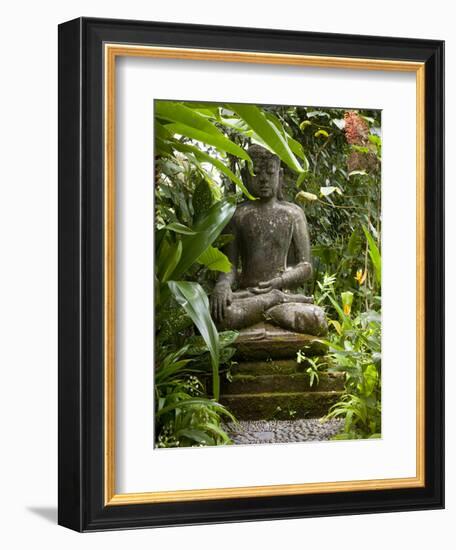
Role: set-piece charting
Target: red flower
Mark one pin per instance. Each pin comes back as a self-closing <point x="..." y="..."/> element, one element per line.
<point x="356" y="129"/>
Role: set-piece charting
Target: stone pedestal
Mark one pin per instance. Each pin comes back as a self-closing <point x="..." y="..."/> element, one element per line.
<point x="268" y="383"/>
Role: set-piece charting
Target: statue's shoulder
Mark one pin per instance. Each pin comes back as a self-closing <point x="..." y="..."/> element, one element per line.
<point x="242" y="209"/>
<point x="293" y="209"/>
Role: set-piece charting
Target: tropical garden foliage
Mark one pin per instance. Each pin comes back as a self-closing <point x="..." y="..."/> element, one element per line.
<point x="331" y="168"/>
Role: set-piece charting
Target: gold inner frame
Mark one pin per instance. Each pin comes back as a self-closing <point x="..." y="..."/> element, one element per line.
<point x="111" y="52"/>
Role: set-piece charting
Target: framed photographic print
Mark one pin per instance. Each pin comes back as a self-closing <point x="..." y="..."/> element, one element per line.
<point x="251" y="316"/>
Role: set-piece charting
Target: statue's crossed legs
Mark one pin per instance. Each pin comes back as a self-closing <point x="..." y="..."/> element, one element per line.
<point x="294" y="312"/>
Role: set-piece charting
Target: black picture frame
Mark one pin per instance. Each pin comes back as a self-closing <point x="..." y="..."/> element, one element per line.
<point x="81" y="275"/>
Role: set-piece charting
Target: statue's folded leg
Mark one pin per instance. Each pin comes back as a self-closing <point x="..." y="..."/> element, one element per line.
<point x="248" y="308"/>
<point x="299" y="317"/>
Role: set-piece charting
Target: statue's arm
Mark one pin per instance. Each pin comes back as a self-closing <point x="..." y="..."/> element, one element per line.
<point x="231" y="250"/>
<point x="299" y="273"/>
<point x="222" y="295"/>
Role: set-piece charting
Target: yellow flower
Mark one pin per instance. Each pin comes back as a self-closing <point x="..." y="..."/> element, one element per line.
<point x="347" y="300"/>
<point x="360" y="276"/>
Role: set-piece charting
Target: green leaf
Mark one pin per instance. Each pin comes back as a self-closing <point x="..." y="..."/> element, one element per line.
<point x="217" y="139"/>
<point x="268" y="132"/>
<point x="360" y="148"/>
<point x="322" y="133"/>
<point x="162" y="132"/>
<point x="215" y="260"/>
<point x="207" y="229"/>
<point x="193" y="299"/>
<point x="370" y="379"/>
<point x="174" y="255"/>
<point x="177" y="227"/>
<point x="294" y="145"/>
<point x="210" y="426"/>
<point x="300" y="179"/>
<point x="374" y="254"/>
<point x="204" y="157"/>
<point x="195" y="435"/>
<point x="188" y="122"/>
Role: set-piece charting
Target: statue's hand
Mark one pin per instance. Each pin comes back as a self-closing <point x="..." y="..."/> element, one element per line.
<point x="266" y="286"/>
<point x="221" y="298"/>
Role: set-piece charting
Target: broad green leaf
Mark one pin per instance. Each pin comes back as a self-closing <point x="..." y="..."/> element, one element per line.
<point x="189" y="123"/>
<point x="162" y="132"/>
<point x="336" y="325"/>
<point x="300" y="179"/>
<point x="268" y="132"/>
<point x="174" y="255"/>
<point x="295" y="146"/>
<point x="218" y="140"/>
<point x="215" y="260"/>
<point x="196" y="435"/>
<point x="163" y="254"/>
<point x="162" y="147"/>
<point x="375" y="256"/>
<point x="370" y="379"/>
<point x="204" y="157"/>
<point x="207" y="229"/>
<point x="188" y="403"/>
<point x="193" y="299"/>
<point x="177" y="112"/>
<point x="177" y="227"/>
<point x="197" y="345"/>
<point x="210" y="426"/>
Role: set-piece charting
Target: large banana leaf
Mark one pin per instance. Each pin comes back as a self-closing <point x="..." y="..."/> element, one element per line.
<point x="193" y="299"/>
<point x="174" y="255"/>
<point x="215" y="260"/>
<point x="207" y="229"/>
<point x="294" y="145"/>
<point x="188" y="122"/>
<point x="204" y="157"/>
<point x="268" y="132"/>
<point x="219" y="141"/>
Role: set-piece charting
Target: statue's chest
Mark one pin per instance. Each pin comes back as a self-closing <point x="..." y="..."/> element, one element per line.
<point x="267" y="230"/>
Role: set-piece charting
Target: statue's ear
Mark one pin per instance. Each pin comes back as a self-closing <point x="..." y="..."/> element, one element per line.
<point x="280" y="187"/>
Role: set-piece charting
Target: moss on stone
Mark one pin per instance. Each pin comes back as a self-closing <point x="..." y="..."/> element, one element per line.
<point x="281" y="406"/>
<point x="278" y="383"/>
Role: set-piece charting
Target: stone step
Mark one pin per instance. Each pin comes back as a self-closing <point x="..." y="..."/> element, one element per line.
<point x="280" y="406"/>
<point x="274" y="366"/>
<point x="279" y="383"/>
<point x="265" y="341"/>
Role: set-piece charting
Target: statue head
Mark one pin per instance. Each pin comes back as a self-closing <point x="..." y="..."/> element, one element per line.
<point x="265" y="184"/>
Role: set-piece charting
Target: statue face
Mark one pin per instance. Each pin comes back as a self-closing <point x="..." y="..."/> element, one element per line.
<point x="264" y="184"/>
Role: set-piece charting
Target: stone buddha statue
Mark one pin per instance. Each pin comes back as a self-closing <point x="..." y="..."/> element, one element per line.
<point x="270" y="256"/>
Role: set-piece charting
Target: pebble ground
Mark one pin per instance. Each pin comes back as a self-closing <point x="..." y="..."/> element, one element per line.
<point x="282" y="431"/>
